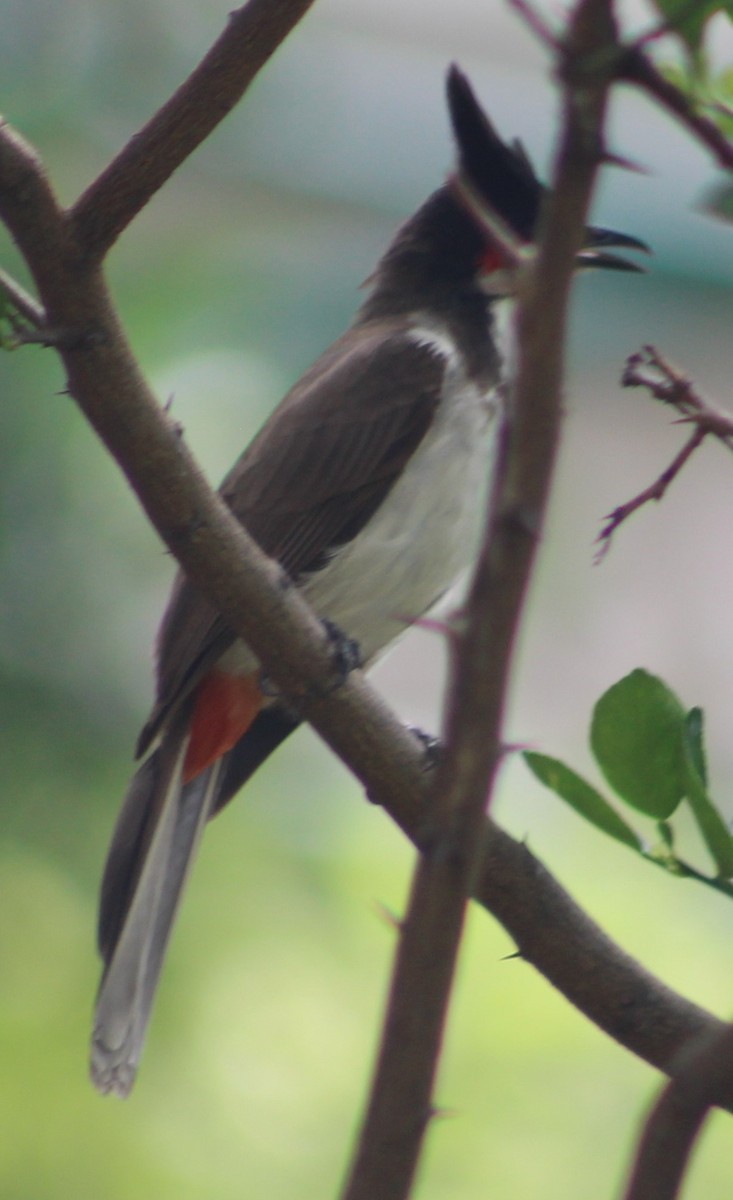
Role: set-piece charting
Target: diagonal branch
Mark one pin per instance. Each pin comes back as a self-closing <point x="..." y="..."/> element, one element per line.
<point x="655" y="491"/>
<point x="151" y="156"/>
<point x="635" y="67"/>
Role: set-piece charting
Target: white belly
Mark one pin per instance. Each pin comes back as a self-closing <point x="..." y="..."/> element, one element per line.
<point x="423" y="535"/>
<point x="425" y="532"/>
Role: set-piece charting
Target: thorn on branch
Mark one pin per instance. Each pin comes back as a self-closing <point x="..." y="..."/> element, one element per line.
<point x="50" y="338"/>
<point x="442" y="626"/>
<point x="536" y="23"/>
<point x="178" y="427"/>
<point x="63" y="339"/>
<point x="439" y="1113"/>
<point x="388" y="916"/>
<point x="625" y="164"/>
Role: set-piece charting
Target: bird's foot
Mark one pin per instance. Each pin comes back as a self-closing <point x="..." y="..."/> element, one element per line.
<point x="345" y="651"/>
<point x="432" y="747"/>
<point x="345" y="657"/>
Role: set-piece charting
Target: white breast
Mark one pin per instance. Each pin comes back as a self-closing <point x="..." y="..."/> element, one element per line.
<point x="424" y="533"/>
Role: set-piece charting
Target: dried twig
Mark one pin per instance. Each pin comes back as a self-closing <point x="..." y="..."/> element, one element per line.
<point x="650" y="370"/>
<point x="655" y="491"/>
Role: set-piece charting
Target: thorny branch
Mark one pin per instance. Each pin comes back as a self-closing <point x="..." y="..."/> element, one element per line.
<point x="665" y="382"/>
<point x="482" y="645"/>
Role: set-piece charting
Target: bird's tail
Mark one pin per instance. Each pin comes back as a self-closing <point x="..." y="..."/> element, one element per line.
<point x="152" y="850"/>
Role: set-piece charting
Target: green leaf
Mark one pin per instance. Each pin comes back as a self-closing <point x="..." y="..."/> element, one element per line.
<point x="688" y="18"/>
<point x="638" y="737"/>
<point x="581" y="796"/>
<point x="715" y="832"/>
<point x="694" y="743"/>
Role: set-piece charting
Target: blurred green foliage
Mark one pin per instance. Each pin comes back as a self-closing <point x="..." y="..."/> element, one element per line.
<point x="260" y="1048"/>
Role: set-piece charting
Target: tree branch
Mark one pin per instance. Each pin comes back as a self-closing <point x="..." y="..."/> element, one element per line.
<point x="636" y="68"/>
<point x="670" y="1132"/>
<point x="211" y="91"/>
<point x="482" y="643"/>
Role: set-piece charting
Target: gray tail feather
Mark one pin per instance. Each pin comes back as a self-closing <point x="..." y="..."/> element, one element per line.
<point x="151" y="854"/>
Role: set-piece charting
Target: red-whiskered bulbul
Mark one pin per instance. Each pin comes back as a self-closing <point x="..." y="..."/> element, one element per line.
<point x="365" y="484"/>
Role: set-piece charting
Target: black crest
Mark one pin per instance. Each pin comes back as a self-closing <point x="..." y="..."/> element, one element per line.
<point x="501" y="173"/>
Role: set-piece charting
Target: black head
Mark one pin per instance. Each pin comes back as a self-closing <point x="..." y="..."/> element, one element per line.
<point x="445" y="256"/>
<point x="502" y="177"/>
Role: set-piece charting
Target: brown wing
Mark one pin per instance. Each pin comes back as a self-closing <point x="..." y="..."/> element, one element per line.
<point x="310" y="480"/>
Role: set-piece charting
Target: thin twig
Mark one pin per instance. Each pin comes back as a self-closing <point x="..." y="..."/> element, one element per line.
<point x="648" y="369"/>
<point x="635" y="67"/>
<point x="536" y="22"/>
<point x="655" y="491"/>
<point x="705" y="1066"/>
<point x="672" y="24"/>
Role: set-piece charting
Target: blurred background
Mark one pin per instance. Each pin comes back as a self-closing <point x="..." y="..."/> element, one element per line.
<point x="232" y="281"/>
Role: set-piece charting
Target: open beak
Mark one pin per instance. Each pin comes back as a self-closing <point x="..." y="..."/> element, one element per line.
<point x="594" y="253"/>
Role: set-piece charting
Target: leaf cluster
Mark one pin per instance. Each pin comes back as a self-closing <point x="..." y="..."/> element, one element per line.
<point x="650" y="749"/>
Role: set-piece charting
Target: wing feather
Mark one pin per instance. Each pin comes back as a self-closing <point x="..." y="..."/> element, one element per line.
<point x="311" y="479"/>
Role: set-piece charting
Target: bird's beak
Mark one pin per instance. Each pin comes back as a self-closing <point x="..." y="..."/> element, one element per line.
<point x="595" y="254"/>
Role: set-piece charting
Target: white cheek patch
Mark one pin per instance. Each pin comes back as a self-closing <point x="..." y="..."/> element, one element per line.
<point x="504" y="333"/>
<point x="502" y="282"/>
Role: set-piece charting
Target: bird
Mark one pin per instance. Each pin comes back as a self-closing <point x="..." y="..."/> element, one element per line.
<point x="365" y="485"/>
